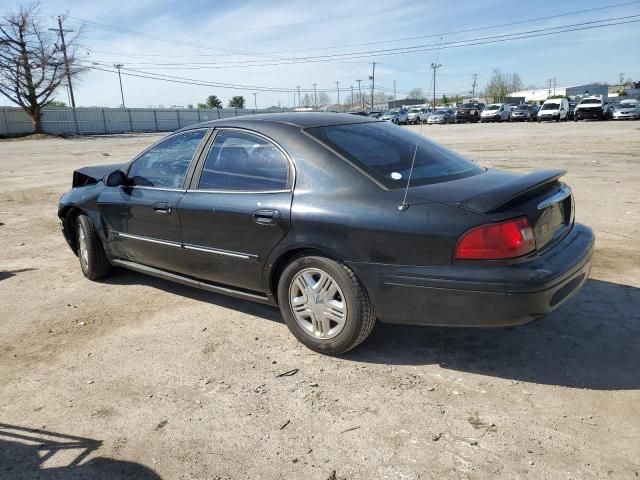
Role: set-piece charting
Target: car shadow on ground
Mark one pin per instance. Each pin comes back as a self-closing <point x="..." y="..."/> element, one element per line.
<point x="129" y="277"/>
<point x="29" y="453"/>
<point x="4" y="274"/>
<point x="589" y="342"/>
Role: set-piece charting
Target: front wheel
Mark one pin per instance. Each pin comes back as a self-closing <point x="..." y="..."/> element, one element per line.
<point x="324" y="305"/>
<point x="93" y="260"/>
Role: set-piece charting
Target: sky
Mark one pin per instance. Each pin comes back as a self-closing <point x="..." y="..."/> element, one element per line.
<point x="248" y="45"/>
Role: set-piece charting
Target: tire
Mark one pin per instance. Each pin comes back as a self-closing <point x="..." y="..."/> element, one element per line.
<point x="93" y="261"/>
<point x="358" y="314"/>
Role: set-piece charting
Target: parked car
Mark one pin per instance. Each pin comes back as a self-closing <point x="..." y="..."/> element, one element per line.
<point x="469" y="112"/>
<point x="443" y="115"/>
<point x="522" y="113"/>
<point x="627" y="109"/>
<point x="554" y="109"/>
<point x="399" y="117"/>
<point x="358" y="112"/>
<point x="374" y="114"/>
<point x="592" y="108"/>
<point x="306" y="211"/>
<point x="418" y="115"/>
<point x="496" y="112"/>
<point x="572" y="109"/>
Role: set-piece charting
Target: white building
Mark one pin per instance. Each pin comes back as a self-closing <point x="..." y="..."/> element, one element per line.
<point x="541" y="94"/>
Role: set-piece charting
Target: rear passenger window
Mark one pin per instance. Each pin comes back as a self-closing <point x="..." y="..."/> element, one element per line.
<point x="243" y="162"/>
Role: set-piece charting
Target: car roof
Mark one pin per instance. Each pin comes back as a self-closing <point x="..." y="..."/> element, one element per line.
<point x="297" y="119"/>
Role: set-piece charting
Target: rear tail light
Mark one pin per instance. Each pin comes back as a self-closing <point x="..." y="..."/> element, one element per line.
<point x="509" y="239"/>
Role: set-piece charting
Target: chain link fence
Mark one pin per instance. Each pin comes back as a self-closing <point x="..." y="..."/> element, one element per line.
<point x="92" y="121"/>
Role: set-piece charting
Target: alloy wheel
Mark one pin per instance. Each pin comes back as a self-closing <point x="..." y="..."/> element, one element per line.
<point x="82" y="247"/>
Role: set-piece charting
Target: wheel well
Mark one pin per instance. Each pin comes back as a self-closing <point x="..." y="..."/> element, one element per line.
<point x="284" y="260"/>
<point x="69" y="215"/>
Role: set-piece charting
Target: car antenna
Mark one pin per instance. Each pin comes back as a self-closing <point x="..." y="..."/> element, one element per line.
<point x="404" y="205"/>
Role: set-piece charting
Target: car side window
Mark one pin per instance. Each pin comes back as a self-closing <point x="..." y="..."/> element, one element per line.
<point x="243" y="162"/>
<point x="165" y="165"/>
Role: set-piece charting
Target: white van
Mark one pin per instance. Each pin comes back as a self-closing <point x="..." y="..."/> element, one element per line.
<point x="554" y="109"/>
<point x="496" y="112"/>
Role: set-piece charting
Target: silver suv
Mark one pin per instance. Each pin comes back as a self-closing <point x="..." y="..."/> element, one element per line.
<point x="399" y="117"/>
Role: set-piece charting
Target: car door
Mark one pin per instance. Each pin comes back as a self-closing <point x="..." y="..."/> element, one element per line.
<point x="237" y="209"/>
<point x="141" y="216"/>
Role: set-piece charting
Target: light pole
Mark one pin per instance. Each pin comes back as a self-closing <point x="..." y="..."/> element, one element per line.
<point x="338" y="90"/>
<point x="119" y="66"/>
<point x="63" y="45"/>
<point x="255" y="101"/>
<point x="435" y="66"/>
<point x="315" y="96"/>
<point x="360" y="95"/>
<point x="373" y="83"/>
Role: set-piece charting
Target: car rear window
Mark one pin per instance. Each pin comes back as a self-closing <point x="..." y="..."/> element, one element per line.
<point x="385" y="152"/>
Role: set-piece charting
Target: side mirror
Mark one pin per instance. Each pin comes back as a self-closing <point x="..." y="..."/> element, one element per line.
<point x="116" y="179"/>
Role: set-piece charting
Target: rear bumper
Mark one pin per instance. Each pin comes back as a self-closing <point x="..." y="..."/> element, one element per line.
<point x="468" y="295"/>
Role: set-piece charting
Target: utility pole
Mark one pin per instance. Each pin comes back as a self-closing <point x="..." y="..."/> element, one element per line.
<point x="473" y="86"/>
<point x="119" y="66"/>
<point x="394" y="94"/>
<point x="549" y="87"/>
<point x="554" y="86"/>
<point x="621" y="74"/>
<point x="373" y="83"/>
<point x="338" y="89"/>
<point x="61" y="32"/>
<point x="360" y="95"/>
<point x="315" y="96"/>
<point x="255" y="100"/>
<point x="435" y="66"/>
<point x="299" y="100"/>
<point x="351" y="97"/>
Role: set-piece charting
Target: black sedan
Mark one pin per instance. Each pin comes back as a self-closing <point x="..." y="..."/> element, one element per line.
<point x="312" y="212"/>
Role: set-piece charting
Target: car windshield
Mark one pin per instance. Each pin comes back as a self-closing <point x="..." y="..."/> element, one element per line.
<point x="468" y="105"/>
<point x="490" y="108"/>
<point x="590" y="100"/>
<point x="390" y="112"/>
<point x="522" y="107"/>
<point x="439" y="112"/>
<point x="414" y="110"/>
<point x="626" y="105"/>
<point x="385" y="153"/>
<point x="551" y="106"/>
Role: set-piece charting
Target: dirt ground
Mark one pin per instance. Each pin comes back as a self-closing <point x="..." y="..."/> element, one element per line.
<point x="136" y="377"/>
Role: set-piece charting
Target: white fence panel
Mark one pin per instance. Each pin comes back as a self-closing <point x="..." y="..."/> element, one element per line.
<point x="94" y="120"/>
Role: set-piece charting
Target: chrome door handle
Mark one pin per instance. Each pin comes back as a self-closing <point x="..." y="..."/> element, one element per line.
<point x="266" y="216"/>
<point x="162" y="208"/>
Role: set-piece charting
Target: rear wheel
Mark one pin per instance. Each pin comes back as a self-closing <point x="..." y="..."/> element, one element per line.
<point x="324" y="305"/>
<point x="93" y="260"/>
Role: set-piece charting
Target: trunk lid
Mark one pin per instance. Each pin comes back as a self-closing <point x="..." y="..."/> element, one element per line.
<point x="499" y="195"/>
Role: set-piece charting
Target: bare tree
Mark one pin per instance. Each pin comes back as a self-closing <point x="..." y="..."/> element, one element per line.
<point x="502" y="84"/>
<point x="324" y="99"/>
<point x="32" y="64"/>
<point x="416" y="93"/>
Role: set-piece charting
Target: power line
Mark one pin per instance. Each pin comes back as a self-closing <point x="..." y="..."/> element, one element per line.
<point x="268" y="54"/>
<point x="175" y="79"/>
<point x="502" y="38"/>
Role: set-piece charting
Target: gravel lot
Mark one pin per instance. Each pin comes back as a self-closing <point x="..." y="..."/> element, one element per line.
<point x="140" y="378"/>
